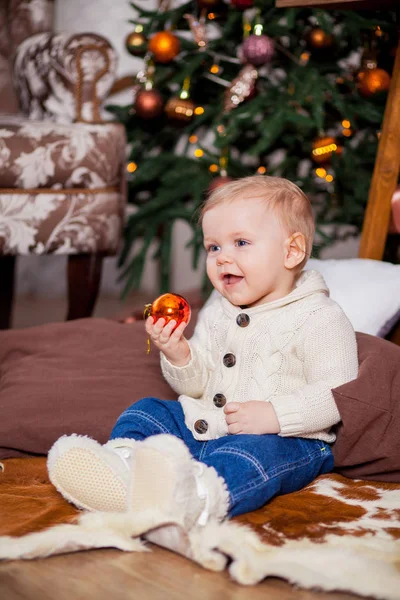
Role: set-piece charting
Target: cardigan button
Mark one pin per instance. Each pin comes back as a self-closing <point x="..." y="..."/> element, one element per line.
<point x="201" y="426"/>
<point x="229" y="360"/>
<point x="219" y="400"/>
<point x="243" y="320"/>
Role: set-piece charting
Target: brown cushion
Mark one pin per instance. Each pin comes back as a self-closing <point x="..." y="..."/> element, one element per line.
<point x="74" y="377"/>
<point x="368" y="439"/>
<point x="77" y="377"/>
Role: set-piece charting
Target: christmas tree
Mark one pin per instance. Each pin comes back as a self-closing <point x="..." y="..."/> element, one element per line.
<point x="235" y="88"/>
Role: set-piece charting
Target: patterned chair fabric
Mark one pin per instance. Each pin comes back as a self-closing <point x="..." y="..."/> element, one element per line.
<point x="61" y="168"/>
<point x="63" y="77"/>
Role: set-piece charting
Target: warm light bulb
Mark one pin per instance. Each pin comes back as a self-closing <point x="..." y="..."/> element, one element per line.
<point x="261" y="170"/>
<point x="193" y="139"/>
<point x="198" y="110"/>
<point x="213" y="168"/>
<point x="320" y="172"/>
<point x="131" y="167"/>
<point x="198" y="153"/>
<point x="329" y="178"/>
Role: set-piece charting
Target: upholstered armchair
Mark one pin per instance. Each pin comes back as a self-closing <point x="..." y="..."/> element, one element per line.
<point x="61" y="167"/>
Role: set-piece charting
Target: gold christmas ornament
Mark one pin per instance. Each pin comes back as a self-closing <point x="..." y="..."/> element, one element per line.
<point x="180" y="109"/>
<point x="242" y="87"/>
<point x="318" y="38"/>
<point x="373" y="81"/>
<point x="323" y="148"/>
<point x="165" y="46"/>
<point x="136" y="43"/>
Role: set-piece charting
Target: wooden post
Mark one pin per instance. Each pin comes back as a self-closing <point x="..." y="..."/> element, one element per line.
<point x="385" y="175"/>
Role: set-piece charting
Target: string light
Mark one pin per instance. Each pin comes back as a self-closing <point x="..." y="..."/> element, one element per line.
<point x="193" y="139"/>
<point x="214" y="69"/>
<point x="211" y="16"/>
<point x="329" y="178"/>
<point x="261" y="170"/>
<point x="131" y="167"/>
<point x="213" y="168"/>
<point x="320" y="172"/>
<point x="347" y="132"/>
<point x="304" y="58"/>
<point x="221" y="129"/>
<point x="346" y="124"/>
<point x="198" y="153"/>
<point x="324" y="149"/>
<point x="198" y="110"/>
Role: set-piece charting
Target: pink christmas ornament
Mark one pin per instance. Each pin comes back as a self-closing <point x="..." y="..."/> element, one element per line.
<point x="395" y="217"/>
<point x="257" y="49"/>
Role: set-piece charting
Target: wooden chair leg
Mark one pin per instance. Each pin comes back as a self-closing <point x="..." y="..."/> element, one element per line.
<point x="84" y="276"/>
<point x="7" y="276"/>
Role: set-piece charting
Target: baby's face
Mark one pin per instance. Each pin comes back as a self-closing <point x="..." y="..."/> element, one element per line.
<point x="245" y="245"/>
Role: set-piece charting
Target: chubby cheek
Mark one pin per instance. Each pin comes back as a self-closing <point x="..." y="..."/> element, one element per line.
<point x="211" y="269"/>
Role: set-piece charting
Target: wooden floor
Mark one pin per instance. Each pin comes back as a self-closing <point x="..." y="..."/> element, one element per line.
<point x="115" y="575"/>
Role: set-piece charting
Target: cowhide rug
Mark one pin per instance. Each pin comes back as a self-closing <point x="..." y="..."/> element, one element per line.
<point x="336" y="534"/>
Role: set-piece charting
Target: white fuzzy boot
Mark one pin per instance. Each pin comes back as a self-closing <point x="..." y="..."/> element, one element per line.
<point x="92" y="476"/>
<point x="124" y="475"/>
<point x="167" y="478"/>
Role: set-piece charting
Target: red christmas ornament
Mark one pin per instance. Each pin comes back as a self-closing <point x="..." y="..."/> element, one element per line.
<point x="148" y="104"/>
<point x="165" y="46"/>
<point x="242" y="4"/>
<point x="218" y="182"/>
<point x="372" y="81"/>
<point x="257" y="49"/>
<point x="169" y="307"/>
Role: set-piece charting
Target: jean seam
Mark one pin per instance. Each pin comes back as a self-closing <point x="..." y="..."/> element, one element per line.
<point x="144" y="416"/>
<point x="202" y="451"/>
<point x="245" y="455"/>
<point x="245" y="489"/>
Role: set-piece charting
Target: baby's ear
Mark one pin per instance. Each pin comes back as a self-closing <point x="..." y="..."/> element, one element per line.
<point x="295" y="250"/>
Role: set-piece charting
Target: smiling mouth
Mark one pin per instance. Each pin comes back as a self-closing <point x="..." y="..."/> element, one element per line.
<point x="230" y="279"/>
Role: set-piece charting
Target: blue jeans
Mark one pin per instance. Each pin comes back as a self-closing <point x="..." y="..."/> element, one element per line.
<point x="255" y="467"/>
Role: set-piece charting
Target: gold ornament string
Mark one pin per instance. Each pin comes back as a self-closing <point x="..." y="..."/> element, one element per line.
<point x="147" y="313"/>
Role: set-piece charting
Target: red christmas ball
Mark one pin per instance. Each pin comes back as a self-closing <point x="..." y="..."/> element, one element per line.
<point x="218" y="182"/>
<point x="165" y="46"/>
<point x="257" y="49"/>
<point x="170" y="307"/>
<point x="242" y="4"/>
<point x="148" y="104"/>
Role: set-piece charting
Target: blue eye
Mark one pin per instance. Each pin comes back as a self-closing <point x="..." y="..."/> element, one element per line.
<point x="213" y="248"/>
<point x="242" y="243"/>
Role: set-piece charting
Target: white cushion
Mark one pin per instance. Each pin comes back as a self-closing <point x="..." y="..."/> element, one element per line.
<point x="367" y="290"/>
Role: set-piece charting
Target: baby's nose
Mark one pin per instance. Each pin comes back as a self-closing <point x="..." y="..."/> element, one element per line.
<point x="224" y="257"/>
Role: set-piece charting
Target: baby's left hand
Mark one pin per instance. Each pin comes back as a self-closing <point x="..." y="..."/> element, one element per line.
<point x="253" y="417"/>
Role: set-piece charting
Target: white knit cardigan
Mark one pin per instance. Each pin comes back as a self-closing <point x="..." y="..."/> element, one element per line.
<point x="292" y="353"/>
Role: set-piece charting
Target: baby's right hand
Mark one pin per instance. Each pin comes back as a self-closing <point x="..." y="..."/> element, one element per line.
<point x="171" y="343"/>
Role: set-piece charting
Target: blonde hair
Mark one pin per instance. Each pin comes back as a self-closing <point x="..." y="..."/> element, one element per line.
<point x="282" y="196"/>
